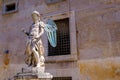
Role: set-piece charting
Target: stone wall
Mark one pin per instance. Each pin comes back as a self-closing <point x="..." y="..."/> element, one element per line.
<point x="97" y="32"/>
<point x="100" y="69"/>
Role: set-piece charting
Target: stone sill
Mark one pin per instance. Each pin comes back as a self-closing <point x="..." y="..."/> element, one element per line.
<point x="10" y="12"/>
<point x="61" y="58"/>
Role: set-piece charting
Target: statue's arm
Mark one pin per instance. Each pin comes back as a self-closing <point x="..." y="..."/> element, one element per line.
<point x="42" y="28"/>
<point x="42" y="24"/>
<point x="25" y="32"/>
<point x="42" y="31"/>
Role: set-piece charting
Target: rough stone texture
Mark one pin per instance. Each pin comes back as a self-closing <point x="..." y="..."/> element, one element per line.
<point x="97" y="32"/>
<point x="101" y="69"/>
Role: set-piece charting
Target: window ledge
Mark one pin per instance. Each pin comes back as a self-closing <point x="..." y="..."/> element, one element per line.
<point x="61" y="58"/>
<point x="14" y="11"/>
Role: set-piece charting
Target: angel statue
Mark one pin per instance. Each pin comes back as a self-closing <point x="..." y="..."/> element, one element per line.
<point x="34" y="49"/>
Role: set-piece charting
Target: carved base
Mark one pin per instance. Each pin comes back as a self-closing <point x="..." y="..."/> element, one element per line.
<point x="45" y="75"/>
<point x="33" y="79"/>
<point x="40" y="72"/>
<point x="34" y="74"/>
<point x="31" y="76"/>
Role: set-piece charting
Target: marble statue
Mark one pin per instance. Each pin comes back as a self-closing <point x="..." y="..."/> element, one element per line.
<point x="34" y="49"/>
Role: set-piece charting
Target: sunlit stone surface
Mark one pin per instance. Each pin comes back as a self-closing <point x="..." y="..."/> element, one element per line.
<point x="97" y="24"/>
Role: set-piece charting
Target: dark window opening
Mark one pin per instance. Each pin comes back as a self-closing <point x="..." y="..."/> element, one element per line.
<point x="10" y="7"/>
<point x="63" y="39"/>
<point x="62" y="78"/>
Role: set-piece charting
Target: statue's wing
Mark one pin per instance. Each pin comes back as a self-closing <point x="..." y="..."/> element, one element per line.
<point x="51" y="28"/>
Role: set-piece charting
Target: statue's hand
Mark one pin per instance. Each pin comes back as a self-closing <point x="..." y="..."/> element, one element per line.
<point x="37" y="37"/>
<point x="34" y="40"/>
<point x="23" y="30"/>
<point x="42" y="23"/>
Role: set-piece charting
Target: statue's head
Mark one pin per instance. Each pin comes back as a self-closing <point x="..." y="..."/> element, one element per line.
<point x="36" y="16"/>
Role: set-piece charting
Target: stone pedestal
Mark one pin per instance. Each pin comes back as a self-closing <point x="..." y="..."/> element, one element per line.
<point x="30" y="75"/>
<point x="33" y="79"/>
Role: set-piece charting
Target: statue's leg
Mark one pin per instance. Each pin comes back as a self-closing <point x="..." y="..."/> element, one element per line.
<point x="40" y="50"/>
<point x="28" y="54"/>
<point x="37" y="57"/>
<point x="42" y="59"/>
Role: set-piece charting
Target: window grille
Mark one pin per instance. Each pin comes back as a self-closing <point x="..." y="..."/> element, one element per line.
<point x="63" y="39"/>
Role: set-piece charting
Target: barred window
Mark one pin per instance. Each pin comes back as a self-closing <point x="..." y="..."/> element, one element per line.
<point x="62" y="78"/>
<point x="63" y="39"/>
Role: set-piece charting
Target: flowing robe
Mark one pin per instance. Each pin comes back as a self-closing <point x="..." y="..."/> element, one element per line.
<point x="33" y="41"/>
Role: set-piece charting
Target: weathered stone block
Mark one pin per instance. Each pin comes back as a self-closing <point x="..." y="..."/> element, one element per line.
<point x="100" y="69"/>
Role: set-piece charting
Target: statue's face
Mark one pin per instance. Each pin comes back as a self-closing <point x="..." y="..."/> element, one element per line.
<point x="35" y="17"/>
